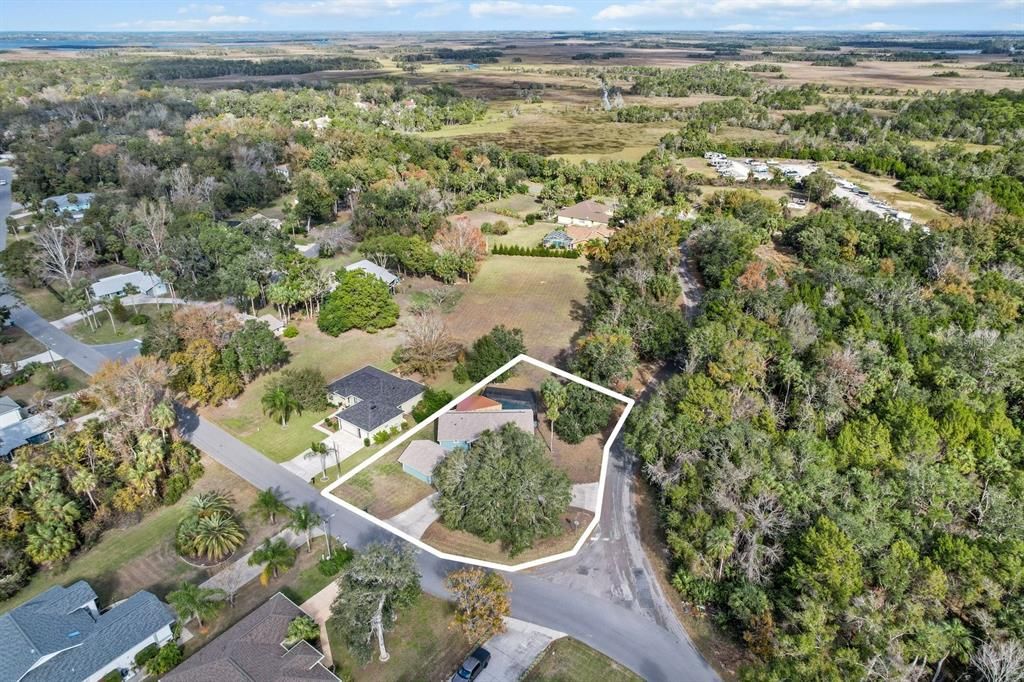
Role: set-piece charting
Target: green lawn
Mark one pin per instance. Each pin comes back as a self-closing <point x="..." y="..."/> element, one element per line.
<point x="105" y="333"/>
<point x="43" y="302"/>
<point x="569" y="660"/>
<point x="424" y="645"/>
<point x="309" y="580"/>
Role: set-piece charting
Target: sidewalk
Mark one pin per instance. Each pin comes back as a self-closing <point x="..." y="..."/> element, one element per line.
<point x="318" y="607"/>
<point x="240" y="573"/>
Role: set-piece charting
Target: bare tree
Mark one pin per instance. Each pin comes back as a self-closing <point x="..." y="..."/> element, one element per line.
<point x="429" y="344"/>
<point x="149" y="234"/>
<point x="333" y="240"/>
<point x="188" y="193"/>
<point x="63" y="252"/>
<point x="999" y="661"/>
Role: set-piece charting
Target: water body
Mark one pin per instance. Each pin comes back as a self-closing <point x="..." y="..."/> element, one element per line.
<point x="10" y="40"/>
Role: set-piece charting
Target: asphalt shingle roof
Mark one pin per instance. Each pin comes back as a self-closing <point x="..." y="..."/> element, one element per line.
<point x="372" y="268"/>
<point x="468" y="426"/>
<point x="251" y="651"/>
<point x="380" y="394"/>
<point x="59" y="622"/>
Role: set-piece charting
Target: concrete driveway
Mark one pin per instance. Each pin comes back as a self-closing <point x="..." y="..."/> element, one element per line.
<point x="416" y="519"/>
<point x="307" y="467"/>
<point x="515" y="650"/>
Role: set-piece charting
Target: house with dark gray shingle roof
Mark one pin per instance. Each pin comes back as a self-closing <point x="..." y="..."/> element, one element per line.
<point x="372" y="400"/>
<point x="62" y="635"/>
<point x="253" y="650"/>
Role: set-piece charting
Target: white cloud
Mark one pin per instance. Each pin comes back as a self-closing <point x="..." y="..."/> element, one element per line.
<point x="881" y="26"/>
<point x="652" y="9"/>
<point x="196" y="8"/>
<point x="440" y="10"/>
<point x="215" y="21"/>
<point x="741" y="27"/>
<point x="349" y="8"/>
<point x="508" y="8"/>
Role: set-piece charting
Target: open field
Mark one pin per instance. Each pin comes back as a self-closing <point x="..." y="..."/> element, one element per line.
<point x="140" y="554"/>
<point x="16" y="344"/>
<point x="425" y="645"/>
<point x="383" y="489"/>
<point x="570" y="660"/>
<point x="542" y="296"/>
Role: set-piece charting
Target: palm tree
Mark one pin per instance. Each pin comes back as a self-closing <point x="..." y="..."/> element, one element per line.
<point x="273" y="556"/>
<point x="268" y="505"/>
<point x="108" y="304"/>
<point x="217" y="536"/>
<point x="49" y="542"/>
<point x="279" y="402"/>
<point x="319" y="450"/>
<point x="720" y="543"/>
<point x="163" y="418"/>
<point x="84" y="483"/>
<point x="304" y="520"/>
<point x="555" y="397"/>
<point x="302" y="629"/>
<point x="193" y="601"/>
<point x="210" y="502"/>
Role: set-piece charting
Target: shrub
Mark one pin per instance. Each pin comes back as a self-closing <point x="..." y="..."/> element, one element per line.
<point x="139" y="319"/>
<point x="361" y="301"/>
<point x="54" y="381"/>
<point x="174" y="487"/>
<point x="366" y="442"/>
<point x="586" y="412"/>
<point x="168" y="657"/>
<point x="432" y="401"/>
<point x="339" y="559"/>
<point x="120" y="313"/>
<point x="112" y="676"/>
<point x="147" y="654"/>
<point x="499" y="228"/>
<point x="531" y="218"/>
<point x="385" y="436"/>
<point x="491" y="351"/>
<point x="290" y="332"/>
<point x="307" y="386"/>
<point x="534" y="251"/>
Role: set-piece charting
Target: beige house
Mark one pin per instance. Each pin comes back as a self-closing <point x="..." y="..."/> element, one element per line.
<point x="587" y="213"/>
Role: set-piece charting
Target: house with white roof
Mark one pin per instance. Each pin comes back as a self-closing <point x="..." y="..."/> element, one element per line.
<point x="18" y="430"/>
<point x="114" y="286"/>
<point x="383" y="274"/>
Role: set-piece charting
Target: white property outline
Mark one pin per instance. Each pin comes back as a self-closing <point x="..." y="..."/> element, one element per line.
<point x="606" y="454"/>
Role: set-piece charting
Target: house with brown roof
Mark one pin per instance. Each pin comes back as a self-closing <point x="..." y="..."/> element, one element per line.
<point x="253" y="650"/>
<point x="478" y="403"/>
<point x="587" y="213"/>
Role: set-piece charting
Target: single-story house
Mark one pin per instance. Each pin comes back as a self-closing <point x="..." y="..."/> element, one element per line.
<point x="582" y="235"/>
<point x="63" y="635"/>
<point x="10" y="411"/>
<point x="63" y="204"/>
<point x="114" y="286"/>
<point x="260" y="218"/>
<point x="459" y="429"/>
<point x="254" y="650"/>
<point x="478" y="403"/>
<point x="19" y="431"/>
<point x="276" y="324"/>
<point x="557" y="240"/>
<point x="419" y="459"/>
<point x="587" y="213"/>
<point x="383" y="274"/>
<point x="372" y="401"/>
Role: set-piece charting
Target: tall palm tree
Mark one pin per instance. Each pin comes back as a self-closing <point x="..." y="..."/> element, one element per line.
<point x="280" y="403"/>
<point x="84" y="483"/>
<point x="217" y="536"/>
<point x="319" y="451"/>
<point x="163" y="418"/>
<point x="274" y="556"/>
<point x="268" y="505"/>
<point x="304" y="520"/>
<point x="193" y="601"/>
<point x="49" y="542"/>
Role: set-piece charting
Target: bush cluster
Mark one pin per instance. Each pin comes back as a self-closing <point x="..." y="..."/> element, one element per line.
<point x="536" y="251"/>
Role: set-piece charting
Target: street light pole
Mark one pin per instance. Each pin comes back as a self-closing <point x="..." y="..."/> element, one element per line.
<point x="327" y="534"/>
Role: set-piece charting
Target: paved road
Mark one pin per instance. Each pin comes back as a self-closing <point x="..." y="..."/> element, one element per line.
<point x="617" y="609"/>
<point x="5" y="203"/>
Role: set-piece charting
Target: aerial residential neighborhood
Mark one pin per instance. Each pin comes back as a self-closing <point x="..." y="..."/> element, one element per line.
<point x="511" y="341"/>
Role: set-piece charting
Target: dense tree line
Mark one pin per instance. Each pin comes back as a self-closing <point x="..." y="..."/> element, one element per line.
<point x="839" y="462"/>
<point x="173" y="68"/>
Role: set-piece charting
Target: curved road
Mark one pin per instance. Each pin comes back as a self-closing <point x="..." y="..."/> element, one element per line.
<point x="606" y="596"/>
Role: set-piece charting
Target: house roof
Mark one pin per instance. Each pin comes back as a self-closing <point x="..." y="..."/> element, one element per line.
<point x="587" y="210"/>
<point x="21" y="433"/>
<point x="477" y="403"/>
<point x="468" y="426"/>
<point x="61" y="200"/>
<point x="422" y="455"/>
<point x="251" y="650"/>
<point x="582" y="235"/>
<point x="369" y="414"/>
<point x="377" y="271"/>
<point x="8" y="404"/>
<point x="380" y="394"/>
<point x="115" y="284"/>
<point x="259" y="217"/>
<point x="59" y="622"/>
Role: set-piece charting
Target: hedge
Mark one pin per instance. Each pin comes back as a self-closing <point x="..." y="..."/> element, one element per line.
<point x="536" y="251"/>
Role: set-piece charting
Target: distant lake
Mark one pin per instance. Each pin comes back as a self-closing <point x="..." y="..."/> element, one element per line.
<point x="106" y="41"/>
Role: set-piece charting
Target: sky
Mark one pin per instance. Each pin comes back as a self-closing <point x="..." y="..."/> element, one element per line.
<point x="512" y="15"/>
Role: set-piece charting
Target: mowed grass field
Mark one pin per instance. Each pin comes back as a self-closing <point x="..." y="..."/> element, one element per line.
<point x="542" y="296"/>
<point x="570" y="660"/>
<point x="425" y="645"/>
<point x="141" y="555"/>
